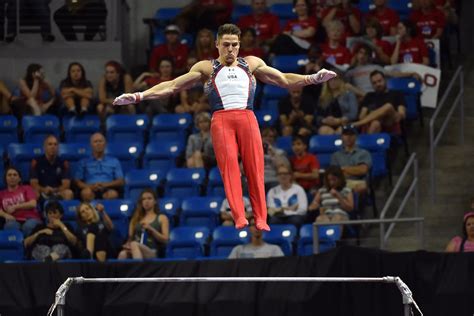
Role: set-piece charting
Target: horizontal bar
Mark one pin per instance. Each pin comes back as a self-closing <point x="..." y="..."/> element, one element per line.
<point x="372" y="221"/>
<point x="79" y="280"/>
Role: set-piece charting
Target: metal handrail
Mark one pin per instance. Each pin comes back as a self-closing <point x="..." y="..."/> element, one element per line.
<point x="434" y="139"/>
<point x="385" y="235"/>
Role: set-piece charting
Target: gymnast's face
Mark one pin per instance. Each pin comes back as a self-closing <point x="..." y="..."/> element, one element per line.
<point x="228" y="46"/>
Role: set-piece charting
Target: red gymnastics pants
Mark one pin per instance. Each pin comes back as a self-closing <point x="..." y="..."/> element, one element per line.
<point x="234" y="132"/>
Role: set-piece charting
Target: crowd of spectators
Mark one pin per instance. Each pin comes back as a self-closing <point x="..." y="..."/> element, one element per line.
<point x="299" y="190"/>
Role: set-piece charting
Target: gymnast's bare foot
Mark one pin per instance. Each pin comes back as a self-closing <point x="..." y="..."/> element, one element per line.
<point x="241" y="223"/>
<point x="261" y="225"/>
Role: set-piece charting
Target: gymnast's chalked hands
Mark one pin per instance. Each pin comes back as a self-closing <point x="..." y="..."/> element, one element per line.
<point x="128" y="98"/>
<point x="321" y="76"/>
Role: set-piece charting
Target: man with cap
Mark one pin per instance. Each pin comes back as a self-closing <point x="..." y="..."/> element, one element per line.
<point x="355" y="162"/>
<point x="172" y="48"/>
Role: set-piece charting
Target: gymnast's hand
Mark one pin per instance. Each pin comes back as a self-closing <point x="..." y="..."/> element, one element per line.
<point x="128" y="98"/>
<point x="321" y="76"/>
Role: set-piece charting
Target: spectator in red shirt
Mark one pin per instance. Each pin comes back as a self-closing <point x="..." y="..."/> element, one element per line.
<point x="387" y="17"/>
<point x="298" y="33"/>
<point x="333" y="51"/>
<point x="204" y="14"/>
<point x="382" y="50"/>
<point x="429" y="20"/>
<point x="449" y="8"/>
<point x="343" y="11"/>
<point x="408" y="47"/>
<point x="266" y="24"/>
<point x="205" y="47"/>
<point x="305" y="165"/>
<point x="248" y="44"/>
<point x="18" y="203"/>
<point x="172" y="49"/>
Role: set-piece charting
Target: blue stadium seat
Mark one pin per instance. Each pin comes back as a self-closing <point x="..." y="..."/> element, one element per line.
<point x="267" y="118"/>
<point x="200" y="211"/>
<point x="377" y="145"/>
<point x="328" y="235"/>
<point x="225" y="238"/>
<point x="36" y="128"/>
<point x="74" y="152"/>
<point x="70" y="212"/>
<point x="2" y="170"/>
<point x="271" y="92"/>
<point x="285" y="143"/>
<point x="160" y="137"/>
<point x="116" y="211"/>
<point x="403" y="7"/>
<point x="411" y="89"/>
<point x="138" y="179"/>
<point x="324" y="146"/>
<point x="215" y="186"/>
<point x="283" y="236"/>
<point x="184" y="182"/>
<point x="166" y="15"/>
<point x="11" y="245"/>
<point x="283" y="10"/>
<point x="79" y="130"/>
<point x="187" y="242"/>
<point x="8" y="130"/>
<point x="365" y="5"/>
<point x="270" y="104"/>
<point x="20" y="156"/>
<point x="169" y="122"/>
<point x="239" y="11"/>
<point x="289" y="63"/>
<point x="162" y="155"/>
<point x="170" y="207"/>
<point x="121" y="127"/>
<point x="128" y="153"/>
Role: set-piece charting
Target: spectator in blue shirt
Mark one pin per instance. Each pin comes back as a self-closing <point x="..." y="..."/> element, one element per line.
<point x="50" y="175"/>
<point x="99" y="176"/>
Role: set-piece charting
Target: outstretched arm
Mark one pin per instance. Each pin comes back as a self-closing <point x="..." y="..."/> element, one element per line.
<point x="275" y="77"/>
<point x="165" y="88"/>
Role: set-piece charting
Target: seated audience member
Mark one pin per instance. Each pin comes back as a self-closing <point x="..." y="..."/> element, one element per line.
<point x="90" y="13"/>
<point x="450" y="9"/>
<point x="205" y="46"/>
<point x="305" y="165"/>
<point x="409" y="48"/>
<point x="37" y="94"/>
<point x="226" y="215"/>
<point x="287" y="202"/>
<point x="334" y="200"/>
<point x="18" y="203"/>
<point x="6" y="98"/>
<point x="336" y="107"/>
<point x="93" y="232"/>
<point x="354" y="162"/>
<point x="334" y="52"/>
<point x="257" y="248"/>
<point x="298" y="34"/>
<point x="315" y="63"/>
<point x="204" y="14"/>
<point x="266" y="24"/>
<point x="381" y="49"/>
<point x="273" y="157"/>
<point x="51" y="241"/>
<point x="192" y="100"/>
<point x="171" y="49"/>
<point x="248" y="44"/>
<point x="148" y="232"/>
<point x="149" y="79"/>
<point x="99" y="176"/>
<point x="344" y="12"/>
<point x="383" y="109"/>
<point x="114" y="83"/>
<point x="39" y="12"/>
<point x="49" y="174"/>
<point x="429" y="20"/>
<point x="199" y="150"/>
<point x="464" y="243"/>
<point x="358" y="76"/>
<point x="387" y="17"/>
<point x="296" y="113"/>
<point x="76" y="90"/>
